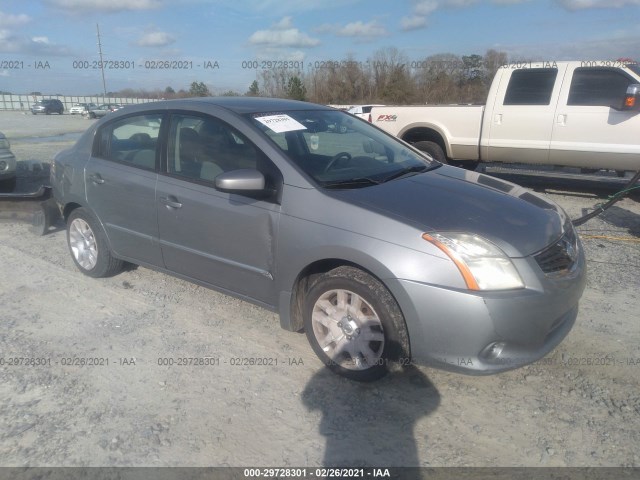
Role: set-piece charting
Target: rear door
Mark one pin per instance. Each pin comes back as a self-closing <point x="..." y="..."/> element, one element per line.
<point x="224" y="239"/>
<point x="121" y="181"/>
<point x="521" y="123"/>
<point x="589" y="131"/>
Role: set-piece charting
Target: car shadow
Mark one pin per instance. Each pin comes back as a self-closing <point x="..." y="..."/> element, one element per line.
<point x="371" y="424"/>
<point x="622" y="218"/>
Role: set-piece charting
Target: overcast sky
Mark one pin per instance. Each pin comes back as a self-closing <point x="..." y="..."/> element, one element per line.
<point x="44" y="44"/>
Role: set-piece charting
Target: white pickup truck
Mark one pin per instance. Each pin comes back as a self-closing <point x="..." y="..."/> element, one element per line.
<point x="578" y="114"/>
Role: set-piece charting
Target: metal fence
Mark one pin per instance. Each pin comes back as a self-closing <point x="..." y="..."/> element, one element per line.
<point x="24" y="102"/>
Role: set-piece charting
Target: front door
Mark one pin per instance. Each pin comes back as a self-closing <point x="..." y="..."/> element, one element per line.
<point x="226" y="240"/>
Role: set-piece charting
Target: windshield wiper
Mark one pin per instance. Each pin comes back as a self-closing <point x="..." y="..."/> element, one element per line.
<point x="408" y="170"/>
<point x="353" y="183"/>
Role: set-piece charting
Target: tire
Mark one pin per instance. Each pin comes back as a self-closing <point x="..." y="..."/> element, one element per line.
<point x="433" y="149"/>
<point x="88" y="245"/>
<point x="8" y="185"/>
<point x="338" y="335"/>
<point x="466" y="164"/>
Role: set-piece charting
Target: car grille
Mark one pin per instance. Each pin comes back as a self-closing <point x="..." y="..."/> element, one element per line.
<point x="560" y="256"/>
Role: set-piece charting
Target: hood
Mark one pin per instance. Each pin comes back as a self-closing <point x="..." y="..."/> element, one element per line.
<point x="451" y="199"/>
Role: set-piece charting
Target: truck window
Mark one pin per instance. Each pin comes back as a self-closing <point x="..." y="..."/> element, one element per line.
<point x="531" y="86"/>
<point x="597" y="86"/>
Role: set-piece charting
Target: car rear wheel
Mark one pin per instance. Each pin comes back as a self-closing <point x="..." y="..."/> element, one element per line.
<point x="354" y="325"/>
<point x="88" y="245"/>
<point x="8" y="184"/>
<point x="433" y="149"/>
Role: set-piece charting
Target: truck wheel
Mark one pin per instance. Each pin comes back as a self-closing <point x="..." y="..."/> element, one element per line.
<point x="354" y="325"/>
<point x="466" y="164"/>
<point x="433" y="149"/>
<point x="88" y="246"/>
<point x="8" y="185"/>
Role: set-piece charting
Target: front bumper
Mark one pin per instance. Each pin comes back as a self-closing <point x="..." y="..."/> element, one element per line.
<point x="489" y="332"/>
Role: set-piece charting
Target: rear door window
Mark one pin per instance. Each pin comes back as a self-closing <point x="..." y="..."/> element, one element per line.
<point x="531" y="86"/>
<point x="132" y="140"/>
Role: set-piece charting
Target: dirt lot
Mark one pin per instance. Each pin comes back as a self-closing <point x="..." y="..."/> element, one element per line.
<point x="578" y="407"/>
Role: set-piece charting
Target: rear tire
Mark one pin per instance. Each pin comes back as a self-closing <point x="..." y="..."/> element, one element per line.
<point x="433" y="149"/>
<point x="354" y="325"/>
<point x="88" y="245"/>
<point x="8" y="185"/>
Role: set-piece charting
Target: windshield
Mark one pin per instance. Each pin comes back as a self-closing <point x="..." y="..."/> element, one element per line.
<point x="338" y="150"/>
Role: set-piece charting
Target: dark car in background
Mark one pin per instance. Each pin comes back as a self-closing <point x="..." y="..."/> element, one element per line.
<point x="374" y="249"/>
<point x="7" y="164"/>
<point x="48" y="106"/>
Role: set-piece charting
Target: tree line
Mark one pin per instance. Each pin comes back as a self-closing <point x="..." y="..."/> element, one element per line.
<point x="387" y="77"/>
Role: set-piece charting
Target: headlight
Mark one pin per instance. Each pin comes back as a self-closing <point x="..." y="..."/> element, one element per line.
<point x="482" y="264"/>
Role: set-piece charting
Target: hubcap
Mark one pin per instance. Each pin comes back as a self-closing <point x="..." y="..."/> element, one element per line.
<point x="348" y="329"/>
<point x="83" y="244"/>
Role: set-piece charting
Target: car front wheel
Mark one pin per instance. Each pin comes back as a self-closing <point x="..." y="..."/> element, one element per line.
<point x="354" y="325"/>
<point x="88" y="245"/>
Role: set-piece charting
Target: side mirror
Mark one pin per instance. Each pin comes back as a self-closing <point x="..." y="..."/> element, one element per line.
<point x="632" y="98"/>
<point x="243" y="180"/>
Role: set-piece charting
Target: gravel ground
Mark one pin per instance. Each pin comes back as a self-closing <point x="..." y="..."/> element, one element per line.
<point x="580" y="406"/>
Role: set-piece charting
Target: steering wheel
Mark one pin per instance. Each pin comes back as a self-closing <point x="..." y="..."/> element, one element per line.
<point x="336" y="158"/>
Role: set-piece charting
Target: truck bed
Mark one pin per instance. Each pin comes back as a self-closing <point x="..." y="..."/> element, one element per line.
<point x="459" y="124"/>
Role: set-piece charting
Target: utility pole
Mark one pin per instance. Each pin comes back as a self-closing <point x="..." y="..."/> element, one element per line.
<point x="104" y="84"/>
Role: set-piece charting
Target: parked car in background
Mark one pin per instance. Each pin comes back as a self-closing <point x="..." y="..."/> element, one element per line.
<point x="377" y="251"/>
<point x="102" y="110"/>
<point x="362" y="111"/>
<point x="81" y="108"/>
<point x="7" y="164"/>
<point x="48" y="106"/>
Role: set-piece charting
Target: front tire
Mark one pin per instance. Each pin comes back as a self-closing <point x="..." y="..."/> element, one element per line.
<point x="88" y="245"/>
<point x="354" y="325"/>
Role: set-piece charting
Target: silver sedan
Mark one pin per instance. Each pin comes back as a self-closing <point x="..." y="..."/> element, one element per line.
<point x="378" y="252"/>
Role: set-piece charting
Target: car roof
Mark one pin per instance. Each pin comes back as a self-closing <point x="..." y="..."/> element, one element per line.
<point x="240" y="105"/>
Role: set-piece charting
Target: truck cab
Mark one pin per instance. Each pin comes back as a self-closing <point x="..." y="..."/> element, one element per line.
<point x="563" y="113"/>
<point x="579" y="114"/>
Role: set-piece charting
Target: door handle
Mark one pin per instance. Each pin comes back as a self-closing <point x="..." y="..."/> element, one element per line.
<point x="171" y="202"/>
<point x="96" y="178"/>
<point x="562" y="119"/>
<point x="497" y="119"/>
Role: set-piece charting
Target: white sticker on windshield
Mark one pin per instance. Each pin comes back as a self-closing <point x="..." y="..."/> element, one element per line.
<point x="281" y="123"/>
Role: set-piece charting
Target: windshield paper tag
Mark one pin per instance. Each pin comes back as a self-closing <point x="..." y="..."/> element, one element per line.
<point x="281" y="123"/>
